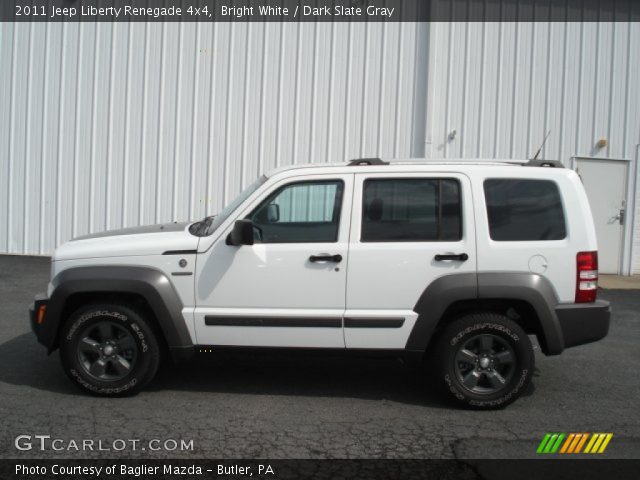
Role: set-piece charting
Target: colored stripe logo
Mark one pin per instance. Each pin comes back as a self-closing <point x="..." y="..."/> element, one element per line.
<point x="572" y="443"/>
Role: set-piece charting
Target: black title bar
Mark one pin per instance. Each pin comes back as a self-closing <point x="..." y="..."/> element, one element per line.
<point x="114" y="469"/>
<point x="318" y="10"/>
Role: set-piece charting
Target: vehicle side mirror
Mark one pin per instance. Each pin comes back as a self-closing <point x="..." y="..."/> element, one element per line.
<point x="273" y="213"/>
<point x="242" y="233"/>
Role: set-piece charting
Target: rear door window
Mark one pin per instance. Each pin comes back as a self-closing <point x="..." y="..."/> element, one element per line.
<point x="411" y="210"/>
<point x="523" y="209"/>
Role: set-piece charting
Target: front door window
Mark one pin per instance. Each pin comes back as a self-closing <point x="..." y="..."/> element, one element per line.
<point x="306" y="212"/>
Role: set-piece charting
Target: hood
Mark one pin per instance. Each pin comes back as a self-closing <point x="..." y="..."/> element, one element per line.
<point x="145" y="240"/>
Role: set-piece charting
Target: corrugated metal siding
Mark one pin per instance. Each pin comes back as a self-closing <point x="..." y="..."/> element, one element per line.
<point x="110" y="125"/>
<point x="501" y="86"/>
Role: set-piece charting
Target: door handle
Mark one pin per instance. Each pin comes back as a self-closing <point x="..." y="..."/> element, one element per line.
<point x="462" y="257"/>
<point x="325" y="257"/>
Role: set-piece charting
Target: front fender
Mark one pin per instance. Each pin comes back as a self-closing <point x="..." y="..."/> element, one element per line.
<point x="151" y="284"/>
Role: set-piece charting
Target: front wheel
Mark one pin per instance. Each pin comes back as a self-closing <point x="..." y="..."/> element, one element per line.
<point x="109" y="350"/>
<point x="483" y="360"/>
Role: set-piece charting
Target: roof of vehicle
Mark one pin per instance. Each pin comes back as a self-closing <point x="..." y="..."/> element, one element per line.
<point x="368" y="163"/>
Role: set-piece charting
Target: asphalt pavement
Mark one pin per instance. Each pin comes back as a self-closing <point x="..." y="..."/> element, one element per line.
<point x="306" y="405"/>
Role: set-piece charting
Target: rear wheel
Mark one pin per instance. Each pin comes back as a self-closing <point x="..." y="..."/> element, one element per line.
<point x="483" y="360"/>
<point x="109" y="349"/>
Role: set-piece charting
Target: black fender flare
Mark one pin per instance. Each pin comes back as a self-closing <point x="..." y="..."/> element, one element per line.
<point x="526" y="286"/>
<point x="533" y="289"/>
<point x="151" y="284"/>
<point x="433" y="303"/>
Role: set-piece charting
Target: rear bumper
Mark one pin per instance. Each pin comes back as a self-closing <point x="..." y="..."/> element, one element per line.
<point x="39" y="300"/>
<point x="583" y="322"/>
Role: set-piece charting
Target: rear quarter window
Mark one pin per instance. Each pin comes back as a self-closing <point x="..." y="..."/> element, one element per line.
<point x="524" y="210"/>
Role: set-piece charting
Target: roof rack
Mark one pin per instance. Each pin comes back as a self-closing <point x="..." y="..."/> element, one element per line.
<point x="531" y="163"/>
<point x="544" y="163"/>
<point x="366" y="161"/>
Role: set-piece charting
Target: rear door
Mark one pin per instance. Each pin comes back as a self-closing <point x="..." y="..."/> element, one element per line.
<point x="402" y="226"/>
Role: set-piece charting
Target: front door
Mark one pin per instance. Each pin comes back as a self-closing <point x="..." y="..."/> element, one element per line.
<point x="288" y="289"/>
<point x="407" y="230"/>
<point x="605" y="182"/>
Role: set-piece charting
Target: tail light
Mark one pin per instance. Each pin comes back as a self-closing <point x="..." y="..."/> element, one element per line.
<point x="586" y="277"/>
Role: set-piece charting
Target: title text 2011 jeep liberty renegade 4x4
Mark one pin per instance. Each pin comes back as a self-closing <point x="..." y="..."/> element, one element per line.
<point x="460" y="261"/>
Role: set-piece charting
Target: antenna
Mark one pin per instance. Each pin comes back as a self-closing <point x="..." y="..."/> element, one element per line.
<point x="540" y="149"/>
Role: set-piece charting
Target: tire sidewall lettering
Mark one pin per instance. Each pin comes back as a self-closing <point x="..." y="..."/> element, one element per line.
<point x="481" y="326"/>
<point x="93" y="314"/>
<point x="107" y="391"/>
<point x="140" y="335"/>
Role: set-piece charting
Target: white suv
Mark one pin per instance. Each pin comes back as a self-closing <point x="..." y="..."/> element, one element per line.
<point x="457" y="261"/>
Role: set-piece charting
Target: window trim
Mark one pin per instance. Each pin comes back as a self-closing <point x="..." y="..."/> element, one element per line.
<point x="339" y="193"/>
<point x="520" y="179"/>
<point x="439" y="216"/>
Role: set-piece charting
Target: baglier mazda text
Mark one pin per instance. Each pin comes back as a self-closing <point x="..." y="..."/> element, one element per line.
<point x="455" y="262"/>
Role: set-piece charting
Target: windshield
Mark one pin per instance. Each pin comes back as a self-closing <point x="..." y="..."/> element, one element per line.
<point x="208" y="225"/>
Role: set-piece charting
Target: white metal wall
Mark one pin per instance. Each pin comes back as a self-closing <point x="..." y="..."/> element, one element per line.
<point x="110" y="125"/>
<point x="501" y="86"/>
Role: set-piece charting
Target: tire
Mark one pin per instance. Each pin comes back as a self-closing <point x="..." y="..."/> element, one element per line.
<point x="483" y="361"/>
<point x="109" y="350"/>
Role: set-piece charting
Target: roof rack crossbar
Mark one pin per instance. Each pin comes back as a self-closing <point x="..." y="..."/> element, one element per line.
<point x="544" y="163"/>
<point x="367" y="161"/>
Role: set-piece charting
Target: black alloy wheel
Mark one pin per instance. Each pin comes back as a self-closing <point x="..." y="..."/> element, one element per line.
<point x="485" y="364"/>
<point x="107" y="351"/>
